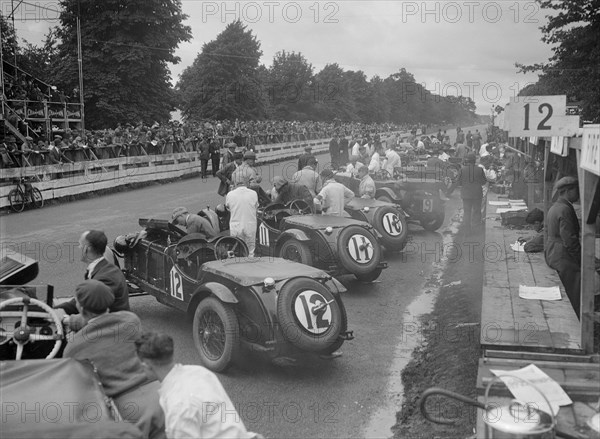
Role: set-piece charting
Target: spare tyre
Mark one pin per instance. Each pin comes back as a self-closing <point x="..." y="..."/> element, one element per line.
<point x="392" y="226"/>
<point x="358" y="250"/>
<point x="309" y="315"/>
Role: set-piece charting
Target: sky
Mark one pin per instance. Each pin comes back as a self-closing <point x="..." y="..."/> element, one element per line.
<point x="453" y="48"/>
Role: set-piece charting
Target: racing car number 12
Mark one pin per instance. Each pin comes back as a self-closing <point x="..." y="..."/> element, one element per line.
<point x="310" y="312"/>
<point x="176" y="284"/>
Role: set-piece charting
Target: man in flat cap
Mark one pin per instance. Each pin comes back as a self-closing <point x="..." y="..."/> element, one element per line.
<point x="225" y="173"/>
<point x="193" y="223"/>
<point x="303" y="159"/>
<point x="107" y="340"/>
<point x="563" y="249"/>
<point x="309" y="177"/>
<point x="288" y="191"/>
<point x="228" y="156"/>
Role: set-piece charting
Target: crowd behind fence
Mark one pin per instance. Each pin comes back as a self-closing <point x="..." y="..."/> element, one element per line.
<point x="208" y="138"/>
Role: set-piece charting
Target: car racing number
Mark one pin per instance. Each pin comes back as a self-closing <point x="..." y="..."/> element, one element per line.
<point x="427" y="205"/>
<point x="312" y="311"/>
<point x="176" y="284"/>
<point x="263" y="235"/>
<point x="360" y="248"/>
<point x="391" y="224"/>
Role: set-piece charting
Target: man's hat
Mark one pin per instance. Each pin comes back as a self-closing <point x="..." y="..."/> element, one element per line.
<point x="238" y="155"/>
<point x="29" y="138"/>
<point x="308" y="148"/>
<point x="58" y="137"/>
<point x="566" y="182"/>
<point x="178" y="211"/>
<point x="249" y="155"/>
<point x="94" y="296"/>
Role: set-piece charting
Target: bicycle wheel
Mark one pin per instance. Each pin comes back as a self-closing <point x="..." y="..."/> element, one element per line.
<point x="17" y="202"/>
<point x="36" y="198"/>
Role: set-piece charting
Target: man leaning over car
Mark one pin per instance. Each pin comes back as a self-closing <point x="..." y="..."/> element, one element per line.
<point x="107" y="340"/>
<point x="193" y="223"/>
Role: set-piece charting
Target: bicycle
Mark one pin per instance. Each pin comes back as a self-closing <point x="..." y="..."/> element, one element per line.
<point x="24" y="194"/>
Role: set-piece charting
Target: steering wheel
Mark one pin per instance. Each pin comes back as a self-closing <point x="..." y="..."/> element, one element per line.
<point x="301" y="206"/>
<point x="24" y="333"/>
<point x="269" y="211"/>
<point x="228" y="247"/>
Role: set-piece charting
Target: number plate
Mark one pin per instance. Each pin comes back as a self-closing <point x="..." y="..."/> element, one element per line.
<point x="428" y="205"/>
<point x="176" y="284"/>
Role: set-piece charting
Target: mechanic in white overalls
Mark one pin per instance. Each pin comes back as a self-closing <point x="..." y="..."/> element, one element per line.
<point x="242" y="204"/>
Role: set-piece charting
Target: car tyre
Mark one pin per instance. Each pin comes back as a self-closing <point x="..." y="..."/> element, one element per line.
<point x="294" y="312"/>
<point x="345" y="251"/>
<point x="433" y="222"/>
<point x="294" y="250"/>
<point x="339" y="341"/>
<point x="216" y="333"/>
<point x="391" y="241"/>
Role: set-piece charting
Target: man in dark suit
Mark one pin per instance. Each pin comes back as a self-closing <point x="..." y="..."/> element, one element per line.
<point x="304" y="158"/>
<point x="93" y="244"/>
<point x="224" y="174"/>
<point x="472" y="179"/>
<point x="563" y="249"/>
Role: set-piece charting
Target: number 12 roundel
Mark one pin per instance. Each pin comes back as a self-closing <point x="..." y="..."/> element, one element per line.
<point x="312" y="312"/>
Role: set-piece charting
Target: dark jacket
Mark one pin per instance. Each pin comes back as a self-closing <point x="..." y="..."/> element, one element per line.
<point x="293" y="191"/>
<point x="224" y="174"/>
<point x="303" y="160"/>
<point x="563" y="244"/>
<point x="110" y="275"/>
<point x="472" y="179"/>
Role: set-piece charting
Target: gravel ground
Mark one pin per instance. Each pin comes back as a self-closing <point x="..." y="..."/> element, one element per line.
<point x="448" y="357"/>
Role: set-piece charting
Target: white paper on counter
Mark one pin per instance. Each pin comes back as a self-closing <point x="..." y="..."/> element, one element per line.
<point x="524" y="392"/>
<point x="510" y="209"/>
<point x="539" y="293"/>
<point x="499" y="203"/>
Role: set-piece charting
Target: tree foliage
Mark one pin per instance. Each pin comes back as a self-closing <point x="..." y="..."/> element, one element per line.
<point x="223" y="81"/>
<point x="126" y="46"/>
<point x="574" y="68"/>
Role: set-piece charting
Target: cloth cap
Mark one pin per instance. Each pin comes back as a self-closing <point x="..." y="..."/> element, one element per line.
<point x="249" y="155"/>
<point x="58" y="137"/>
<point x="179" y="211"/>
<point x="565" y="182"/>
<point x="94" y="296"/>
<point x="29" y="138"/>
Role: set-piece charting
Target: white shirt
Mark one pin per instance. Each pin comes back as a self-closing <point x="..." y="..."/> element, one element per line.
<point x="90" y="268"/>
<point x="242" y="204"/>
<point x="351" y="169"/>
<point x="197" y="406"/>
<point x="355" y="149"/>
<point x="392" y="160"/>
<point x="375" y="165"/>
<point x="483" y="150"/>
<point x="334" y="197"/>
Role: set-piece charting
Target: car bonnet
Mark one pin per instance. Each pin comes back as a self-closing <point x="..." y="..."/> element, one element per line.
<point x="320" y="222"/>
<point x="253" y="271"/>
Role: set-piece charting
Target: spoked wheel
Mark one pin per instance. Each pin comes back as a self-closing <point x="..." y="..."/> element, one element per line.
<point x="216" y="333"/>
<point x="230" y="247"/>
<point x="36" y="198"/>
<point x="301" y="206"/>
<point x="294" y="250"/>
<point x="17" y="202"/>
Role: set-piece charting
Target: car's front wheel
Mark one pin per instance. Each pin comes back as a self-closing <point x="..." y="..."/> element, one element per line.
<point x="294" y="250"/>
<point x="216" y="333"/>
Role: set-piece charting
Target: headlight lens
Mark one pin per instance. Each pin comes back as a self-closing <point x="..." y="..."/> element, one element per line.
<point x="269" y="282"/>
<point x="329" y="230"/>
<point x="366" y="208"/>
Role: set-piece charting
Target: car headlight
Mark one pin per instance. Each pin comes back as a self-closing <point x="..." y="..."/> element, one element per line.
<point x="366" y="208"/>
<point x="269" y="283"/>
<point x="329" y="230"/>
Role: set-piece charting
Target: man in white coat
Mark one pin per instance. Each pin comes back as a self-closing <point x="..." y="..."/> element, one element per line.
<point x="242" y="203"/>
<point x="392" y="159"/>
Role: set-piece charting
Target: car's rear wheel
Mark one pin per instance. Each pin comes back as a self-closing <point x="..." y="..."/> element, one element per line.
<point x="392" y="226"/>
<point x="294" y="250"/>
<point x="216" y="333"/>
<point x="358" y="250"/>
<point x="433" y="222"/>
<point x="309" y="315"/>
<point x="369" y="277"/>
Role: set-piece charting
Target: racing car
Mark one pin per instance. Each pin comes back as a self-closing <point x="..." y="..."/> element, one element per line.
<point x="419" y="198"/>
<point x="43" y="396"/>
<point x="270" y="305"/>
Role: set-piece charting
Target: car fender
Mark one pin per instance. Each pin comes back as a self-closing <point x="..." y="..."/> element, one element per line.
<point x="387" y="191"/>
<point x="297" y="234"/>
<point x="220" y="291"/>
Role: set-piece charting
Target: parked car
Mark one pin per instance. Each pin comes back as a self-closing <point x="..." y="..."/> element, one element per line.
<point x="280" y="308"/>
<point x="419" y="198"/>
<point x="43" y="396"/>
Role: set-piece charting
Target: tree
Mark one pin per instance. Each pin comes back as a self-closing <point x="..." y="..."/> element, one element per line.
<point x="223" y="82"/>
<point x="292" y="85"/>
<point x="9" y="40"/>
<point x="574" y="68"/>
<point x="126" y="46"/>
